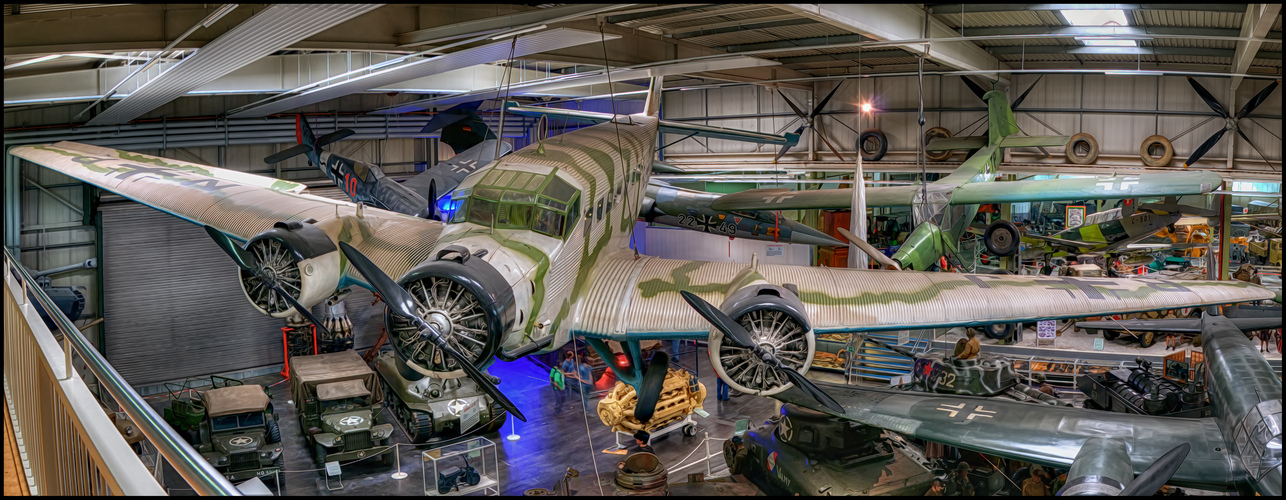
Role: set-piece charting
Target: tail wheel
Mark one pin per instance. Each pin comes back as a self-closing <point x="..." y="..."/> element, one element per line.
<point x="273" y="258"/>
<point x="1001" y="238"/>
<point x="774" y="330"/>
<point x="1146" y="339"/>
<point x="456" y="311"/>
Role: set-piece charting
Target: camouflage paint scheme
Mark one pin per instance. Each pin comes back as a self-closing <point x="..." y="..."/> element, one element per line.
<point x="588" y="282"/>
<point x="943" y="210"/>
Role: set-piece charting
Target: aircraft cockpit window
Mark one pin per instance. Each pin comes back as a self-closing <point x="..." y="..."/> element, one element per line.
<point x="1259" y="441"/>
<point x="513" y="199"/>
<point x="549" y="222"/>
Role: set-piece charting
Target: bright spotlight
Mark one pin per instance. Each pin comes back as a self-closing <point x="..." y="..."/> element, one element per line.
<point x="866" y="107"/>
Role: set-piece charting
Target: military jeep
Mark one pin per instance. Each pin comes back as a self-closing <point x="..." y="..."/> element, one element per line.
<point x="239" y="435"/>
<point x="338" y="398"/>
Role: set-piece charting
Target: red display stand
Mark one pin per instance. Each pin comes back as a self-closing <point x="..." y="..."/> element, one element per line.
<point x="285" y="347"/>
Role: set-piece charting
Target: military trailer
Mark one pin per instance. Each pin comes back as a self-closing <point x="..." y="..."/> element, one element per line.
<point x="432" y="408"/>
<point x="239" y="436"/>
<point x="338" y="397"/>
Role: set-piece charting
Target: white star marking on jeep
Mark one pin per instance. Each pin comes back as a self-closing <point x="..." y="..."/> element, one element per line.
<point x="240" y="441"/>
<point x="785" y="428"/>
<point x="350" y="420"/>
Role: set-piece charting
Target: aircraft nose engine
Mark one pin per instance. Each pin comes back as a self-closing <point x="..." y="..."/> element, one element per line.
<point x="464" y="298"/>
<point x="778" y="326"/>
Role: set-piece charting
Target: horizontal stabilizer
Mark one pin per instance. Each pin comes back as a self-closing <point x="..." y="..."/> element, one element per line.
<point x="1014" y="141"/>
<point x="785" y="199"/>
<point x="1060" y="241"/>
<point x="288" y="154"/>
<point x="337" y="135"/>
<point x="1117" y="187"/>
<point x="951" y="143"/>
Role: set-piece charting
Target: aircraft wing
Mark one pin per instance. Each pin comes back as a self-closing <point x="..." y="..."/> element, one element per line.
<point x="239" y="204"/>
<point x="665" y="126"/>
<point x="1034" y="141"/>
<point x="640" y="297"/>
<point x="1121" y="186"/>
<point x="1060" y="241"/>
<point x="1177" y="325"/>
<point x="786" y="199"/>
<point x="1045" y="435"/>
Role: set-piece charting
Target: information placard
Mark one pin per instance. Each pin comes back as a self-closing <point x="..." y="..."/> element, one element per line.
<point x="1047" y="329"/>
<point x="741" y="426"/>
<point x="776" y="250"/>
<point x="1098" y="344"/>
<point x="904" y="336"/>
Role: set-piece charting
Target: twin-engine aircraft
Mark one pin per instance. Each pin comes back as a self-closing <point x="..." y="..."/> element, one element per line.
<point x="537" y="251"/>
<point x="943" y="210"/>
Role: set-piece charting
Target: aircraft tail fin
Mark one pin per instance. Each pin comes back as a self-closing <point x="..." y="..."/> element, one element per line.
<point x="653" y="105"/>
<point x="309" y="144"/>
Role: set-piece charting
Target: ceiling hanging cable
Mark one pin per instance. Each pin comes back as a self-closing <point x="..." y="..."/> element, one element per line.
<point x="611" y="93"/>
<point x="501" y="126"/>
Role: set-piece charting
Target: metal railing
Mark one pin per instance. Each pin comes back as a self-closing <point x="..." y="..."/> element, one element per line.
<point x="71" y="446"/>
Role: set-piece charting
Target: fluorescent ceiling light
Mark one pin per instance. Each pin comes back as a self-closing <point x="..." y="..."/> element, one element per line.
<point x="33" y="61"/>
<point x="1099" y="42"/>
<point x="1131" y="72"/>
<point x="519" y="32"/>
<point x="1095" y="17"/>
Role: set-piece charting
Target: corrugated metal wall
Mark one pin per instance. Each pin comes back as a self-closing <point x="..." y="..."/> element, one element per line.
<point x="174" y="306"/>
<point x="1116" y="133"/>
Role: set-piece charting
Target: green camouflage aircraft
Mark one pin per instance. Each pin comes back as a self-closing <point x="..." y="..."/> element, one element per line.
<point x="943" y="210"/>
<point x="537" y="251"/>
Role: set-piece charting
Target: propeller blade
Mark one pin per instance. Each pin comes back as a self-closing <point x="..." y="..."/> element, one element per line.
<point x="403" y="304"/>
<point x="240" y="256"/>
<point x="822" y="104"/>
<point x="1205" y="96"/>
<point x="300" y="307"/>
<point x="899" y="350"/>
<point x="1204" y="147"/>
<point x="1253" y="146"/>
<point x="1259" y="98"/>
<point x="1014" y="106"/>
<point x="649" y="391"/>
<point x="735" y="332"/>
<point x="332" y="137"/>
<point x="812" y="390"/>
<point x="793" y="106"/>
<point x="1158" y="473"/>
<point x="974" y="87"/>
<point x="481" y="378"/>
<point x="879" y="256"/>
<point x="399" y="301"/>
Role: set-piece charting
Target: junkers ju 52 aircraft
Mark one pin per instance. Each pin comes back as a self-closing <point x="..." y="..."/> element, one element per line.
<point x="537" y="251"/>
<point x="943" y="210"/>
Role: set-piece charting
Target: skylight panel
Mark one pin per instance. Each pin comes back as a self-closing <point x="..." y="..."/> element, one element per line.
<point x="1110" y="17"/>
<point x="1093" y="42"/>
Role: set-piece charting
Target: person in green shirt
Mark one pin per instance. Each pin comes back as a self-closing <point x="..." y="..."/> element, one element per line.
<point x="558" y="384"/>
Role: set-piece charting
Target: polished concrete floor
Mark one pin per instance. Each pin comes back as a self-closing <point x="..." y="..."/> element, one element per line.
<point x="549" y="441"/>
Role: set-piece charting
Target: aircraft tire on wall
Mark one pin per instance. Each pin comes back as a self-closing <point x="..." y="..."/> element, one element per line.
<point x="937" y="155"/>
<point x="1082" y="138"/>
<point x="1166" y="155"/>
<point x="882" y="144"/>
<point x="1001" y="238"/>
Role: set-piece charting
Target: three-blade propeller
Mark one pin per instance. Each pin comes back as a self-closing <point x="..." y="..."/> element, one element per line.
<point x="1230" y="121"/>
<point x="879" y="256"/>
<point x="810" y="121"/>
<point x="403" y="304"/>
<point x="1158" y="473"/>
<point x="245" y="261"/>
<point x="739" y="337"/>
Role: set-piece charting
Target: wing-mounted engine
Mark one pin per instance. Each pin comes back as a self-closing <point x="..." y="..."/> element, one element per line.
<point x="466" y="299"/>
<point x="301" y="259"/>
<point x="777" y="323"/>
<point x="1103" y="467"/>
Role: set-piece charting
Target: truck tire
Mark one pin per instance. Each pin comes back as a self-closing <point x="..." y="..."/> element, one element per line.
<point x="274" y="432"/>
<point x="881" y="144"/>
<point x="320" y="456"/>
<point x="1167" y="151"/>
<point x="1077" y="142"/>
<point x="930" y="135"/>
<point x="998" y="331"/>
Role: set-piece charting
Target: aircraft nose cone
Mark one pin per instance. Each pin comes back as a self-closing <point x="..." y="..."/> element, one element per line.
<point x="805" y="235"/>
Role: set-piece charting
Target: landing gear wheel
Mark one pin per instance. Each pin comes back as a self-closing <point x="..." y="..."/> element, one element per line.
<point x="775" y="330"/>
<point x="1111" y="334"/>
<point x="1146" y="339"/>
<point x="998" y="331"/>
<point x="1001" y="238"/>
<point x="690" y="430"/>
<point x="1196" y="340"/>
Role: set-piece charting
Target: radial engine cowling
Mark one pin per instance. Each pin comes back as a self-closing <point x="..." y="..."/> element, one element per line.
<point x="467" y="300"/>
<point x="775" y="318"/>
<point x="301" y="257"/>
